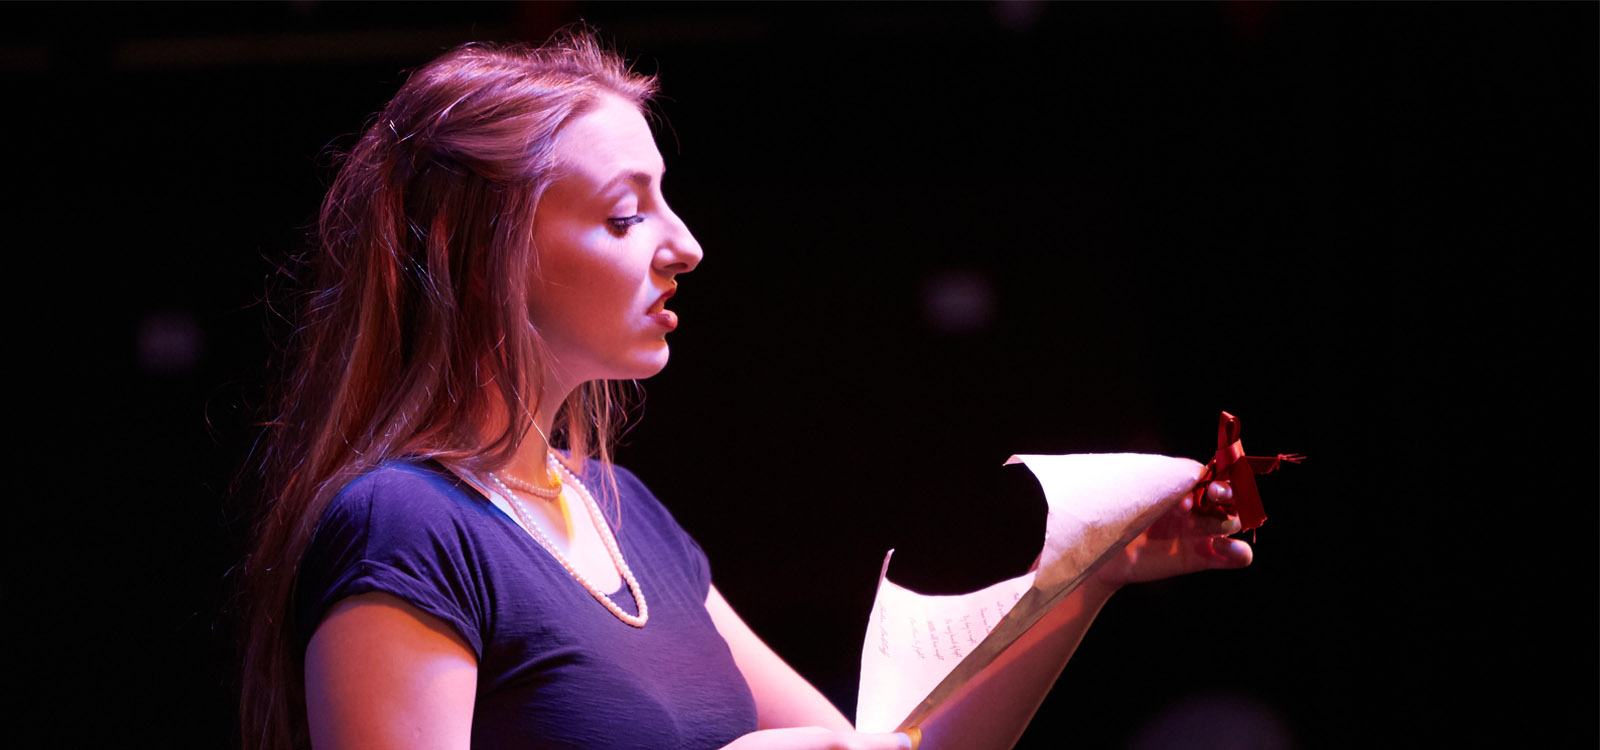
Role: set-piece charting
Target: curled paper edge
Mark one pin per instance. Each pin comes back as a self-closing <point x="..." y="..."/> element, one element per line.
<point x="1141" y="488"/>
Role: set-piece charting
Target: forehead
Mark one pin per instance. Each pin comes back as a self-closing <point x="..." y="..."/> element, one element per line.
<point x="611" y="137"/>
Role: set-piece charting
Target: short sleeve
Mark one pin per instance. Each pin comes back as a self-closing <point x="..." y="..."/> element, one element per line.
<point x="398" y="530"/>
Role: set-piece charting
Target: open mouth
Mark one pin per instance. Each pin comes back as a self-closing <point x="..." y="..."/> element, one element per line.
<point x="661" y="302"/>
<point x="659" y="313"/>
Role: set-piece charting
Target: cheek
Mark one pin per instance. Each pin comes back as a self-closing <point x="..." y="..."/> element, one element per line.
<point x="577" y="276"/>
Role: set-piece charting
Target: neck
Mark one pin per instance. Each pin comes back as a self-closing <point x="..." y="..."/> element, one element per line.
<point x="529" y="461"/>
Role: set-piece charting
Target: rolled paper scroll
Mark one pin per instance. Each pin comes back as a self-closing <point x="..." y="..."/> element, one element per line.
<point x="933" y="646"/>
<point x="918" y="645"/>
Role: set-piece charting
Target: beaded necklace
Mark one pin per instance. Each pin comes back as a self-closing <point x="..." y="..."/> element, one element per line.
<point x="544" y="493"/>
<point x="601" y="527"/>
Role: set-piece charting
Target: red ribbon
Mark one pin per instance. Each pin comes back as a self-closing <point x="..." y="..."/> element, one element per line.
<point x="1230" y="464"/>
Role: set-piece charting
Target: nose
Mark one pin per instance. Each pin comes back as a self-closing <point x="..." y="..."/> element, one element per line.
<point x="679" y="252"/>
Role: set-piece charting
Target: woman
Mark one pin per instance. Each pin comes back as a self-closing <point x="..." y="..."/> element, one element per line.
<point x="432" y="571"/>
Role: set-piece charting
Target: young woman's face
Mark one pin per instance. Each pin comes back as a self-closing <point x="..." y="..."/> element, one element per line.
<point x="609" y="251"/>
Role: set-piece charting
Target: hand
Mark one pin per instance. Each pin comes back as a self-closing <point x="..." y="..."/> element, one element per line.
<point x="818" y="738"/>
<point x="1179" y="542"/>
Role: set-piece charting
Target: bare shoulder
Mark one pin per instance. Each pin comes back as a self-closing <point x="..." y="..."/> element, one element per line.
<point x="391" y="615"/>
<point x="383" y="673"/>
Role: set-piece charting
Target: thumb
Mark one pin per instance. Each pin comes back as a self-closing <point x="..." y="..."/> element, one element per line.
<point x="1230" y="553"/>
<point x="903" y="740"/>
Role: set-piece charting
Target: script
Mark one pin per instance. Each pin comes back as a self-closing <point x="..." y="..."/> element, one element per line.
<point x="921" y="649"/>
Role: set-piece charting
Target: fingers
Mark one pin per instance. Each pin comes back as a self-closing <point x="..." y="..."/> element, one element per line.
<point x="1215" y="547"/>
<point x="892" y="741"/>
<point x="1214" y="526"/>
<point x="818" y="738"/>
<point x="1230" y="553"/>
<point x="1218" y="500"/>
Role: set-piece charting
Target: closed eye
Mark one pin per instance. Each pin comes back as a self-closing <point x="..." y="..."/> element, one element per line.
<point x="621" y="224"/>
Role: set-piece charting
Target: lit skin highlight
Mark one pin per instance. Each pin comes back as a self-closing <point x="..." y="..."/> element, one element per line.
<point x="608" y="248"/>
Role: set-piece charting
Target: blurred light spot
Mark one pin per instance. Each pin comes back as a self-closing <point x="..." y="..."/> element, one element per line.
<point x="1215" y="721"/>
<point x="168" y="342"/>
<point x="958" y="301"/>
<point x="1248" y="18"/>
<point x="1017" y="15"/>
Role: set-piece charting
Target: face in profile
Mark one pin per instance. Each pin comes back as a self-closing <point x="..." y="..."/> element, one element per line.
<point x="609" y="250"/>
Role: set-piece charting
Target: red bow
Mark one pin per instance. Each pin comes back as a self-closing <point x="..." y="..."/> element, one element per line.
<point x="1239" y="470"/>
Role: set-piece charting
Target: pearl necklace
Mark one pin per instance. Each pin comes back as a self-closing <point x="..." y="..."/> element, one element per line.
<point x="547" y="493"/>
<point x="600" y="525"/>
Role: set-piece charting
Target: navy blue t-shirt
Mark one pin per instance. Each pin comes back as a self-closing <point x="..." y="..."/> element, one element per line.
<point x="556" y="669"/>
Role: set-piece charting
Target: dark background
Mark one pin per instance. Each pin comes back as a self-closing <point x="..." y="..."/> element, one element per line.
<point x="935" y="235"/>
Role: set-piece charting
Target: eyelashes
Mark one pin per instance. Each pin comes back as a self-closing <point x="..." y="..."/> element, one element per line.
<point x="620" y="225"/>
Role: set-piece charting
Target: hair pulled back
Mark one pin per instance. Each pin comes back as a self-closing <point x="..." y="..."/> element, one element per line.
<point x="416" y="327"/>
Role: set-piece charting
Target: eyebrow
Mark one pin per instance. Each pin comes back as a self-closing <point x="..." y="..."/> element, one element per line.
<point x="639" y="178"/>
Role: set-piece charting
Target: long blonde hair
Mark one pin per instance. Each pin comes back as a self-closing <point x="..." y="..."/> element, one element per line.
<point x="416" y="325"/>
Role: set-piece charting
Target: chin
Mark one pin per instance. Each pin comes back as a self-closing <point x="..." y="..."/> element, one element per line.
<point x="654" y="370"/>
<point x="647" y="366"/>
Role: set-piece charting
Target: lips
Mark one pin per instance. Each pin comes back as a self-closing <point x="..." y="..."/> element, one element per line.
<point x="660" y="304"/>
<point x="659" y="313"/>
